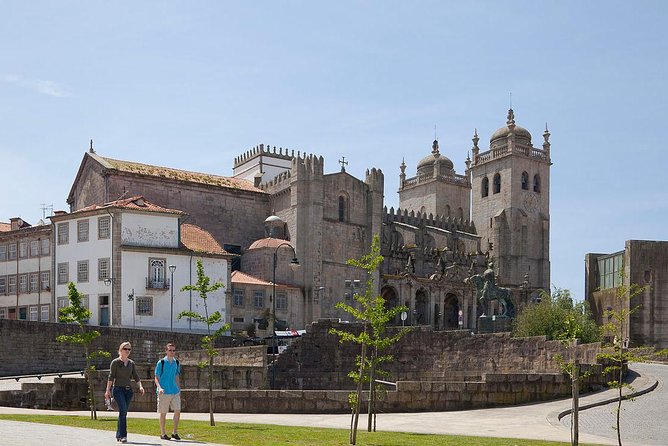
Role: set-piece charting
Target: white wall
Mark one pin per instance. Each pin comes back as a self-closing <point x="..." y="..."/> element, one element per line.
<point x="150" y="230"/>
<point x="135" y="269"/>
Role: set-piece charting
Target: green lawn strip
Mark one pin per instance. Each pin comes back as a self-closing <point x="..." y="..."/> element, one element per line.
<point x="241" y="434"/>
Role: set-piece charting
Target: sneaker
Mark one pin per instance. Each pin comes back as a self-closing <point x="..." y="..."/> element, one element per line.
<point x="164" y="437"/>
<point x="176" y="436"/>
<point x="124" y="440"/>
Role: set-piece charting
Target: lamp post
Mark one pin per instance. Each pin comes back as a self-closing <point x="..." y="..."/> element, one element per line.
<point x="294" y="263"/>
<point x="131" y="298"/>
<point x="108" y="282"/>
<point x="172" y="268"/>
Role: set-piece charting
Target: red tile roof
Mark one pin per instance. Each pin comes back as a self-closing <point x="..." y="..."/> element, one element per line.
<point x="239" y="277"/>
<point x="182" y="175"/>
<point x="136" y="203"/>
<point x="5" y="227"/>
<point x="199" y="240"/>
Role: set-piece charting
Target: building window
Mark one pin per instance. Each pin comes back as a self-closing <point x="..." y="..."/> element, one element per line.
<point x="34" y="282"/>
<point x="144" y="305"/>
<point x="23" y="249"/>
<point x="343" y="208"/>
<point x="157" y="273"/>
<point x="44" y="309"/>
<point x="525" y="181"/>
<point x="82" y="231"/>
<point x="34" y="313"/>
<point x="3" y="284"/>
<point x="63" y="273"/>
<point x="608" y="270"/>
<point x="34" y="248"/>
<point x="23" y="313"/>
<point x="23" y="283"/>
<point x="46" y="280"/>
<point x="281" y="301"/>
<point x="63" y="233"/>
<point x="238" y="319"/>
<point x="45" y="246"/>
<point x="62" y="303"/>
<point x="103" y="224"/>
<point x="11" y="284"/>
<point x="82" y="271"/>
<point x="3" y="253"/>
<point x="536" y="183"/>
<point x="238" y="298"/>
<point x="12" y="251"/>
<point x="497" y="183"/>
<point x="3" y="313"/>
<point x="485" y="187"/>
<point x="103" y="269"/>
<point x="258" y="299"/>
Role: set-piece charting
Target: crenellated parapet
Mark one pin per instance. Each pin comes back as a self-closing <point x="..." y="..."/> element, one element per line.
<point x="418" y="219"/>
<point x="375" y="179"/>
<point x="307" y="167"/>
<point x="263" y="149"/>
<point x="278" y="183"/>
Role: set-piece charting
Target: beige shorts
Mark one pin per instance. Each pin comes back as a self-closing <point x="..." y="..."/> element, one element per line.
<point x="165" y="402"/>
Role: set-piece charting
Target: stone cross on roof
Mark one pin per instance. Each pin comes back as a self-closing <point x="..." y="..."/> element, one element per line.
<point x="343" y="163"/>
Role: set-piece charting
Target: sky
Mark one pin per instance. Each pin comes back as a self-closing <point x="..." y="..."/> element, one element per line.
<point x="191" y="85"/>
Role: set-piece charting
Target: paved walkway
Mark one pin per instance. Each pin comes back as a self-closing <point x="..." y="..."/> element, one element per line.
<point x="534" y="421"/>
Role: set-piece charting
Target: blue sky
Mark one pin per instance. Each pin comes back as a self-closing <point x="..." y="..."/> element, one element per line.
<point x="193" y="84"/>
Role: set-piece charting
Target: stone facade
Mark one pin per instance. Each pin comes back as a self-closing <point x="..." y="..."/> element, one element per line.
<point x="644" y="263"/>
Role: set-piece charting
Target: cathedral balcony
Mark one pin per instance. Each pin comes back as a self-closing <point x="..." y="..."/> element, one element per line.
<point x="461" y="180"/>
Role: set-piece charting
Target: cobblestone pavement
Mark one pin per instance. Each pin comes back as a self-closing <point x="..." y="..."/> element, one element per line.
<point x="643" y="420"/>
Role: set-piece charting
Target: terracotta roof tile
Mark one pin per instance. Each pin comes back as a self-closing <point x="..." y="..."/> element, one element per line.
<point x="182" y="175"/>
<point x="199" y="240"/>
<point x="5" y="227"/>
<point x="137" y="203"/>
<point x="239" y="277"/>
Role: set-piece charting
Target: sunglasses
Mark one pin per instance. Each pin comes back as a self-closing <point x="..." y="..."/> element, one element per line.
<point x="128" y="349"/>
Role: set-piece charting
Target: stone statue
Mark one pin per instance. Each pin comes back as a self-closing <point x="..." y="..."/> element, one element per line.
<point x="487" y="290"/>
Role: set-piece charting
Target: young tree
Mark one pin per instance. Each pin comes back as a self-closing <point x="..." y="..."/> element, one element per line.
<point x="548" y="318"/>
<point x="203" y="287"/>
<point x="75" y="313"/>
<point x="372" y="312"/>
<point x="619" y="317"/>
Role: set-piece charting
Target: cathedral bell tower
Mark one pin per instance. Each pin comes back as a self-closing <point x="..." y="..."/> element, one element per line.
<point x="511" y="203"/>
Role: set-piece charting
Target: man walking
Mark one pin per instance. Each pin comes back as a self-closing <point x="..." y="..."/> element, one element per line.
<point x="167" y="372"/>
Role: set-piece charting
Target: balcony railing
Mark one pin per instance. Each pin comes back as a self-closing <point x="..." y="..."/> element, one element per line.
<point x="157" y="284"/>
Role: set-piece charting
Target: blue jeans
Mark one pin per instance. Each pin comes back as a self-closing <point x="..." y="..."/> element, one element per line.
<point x="123" y="396"/>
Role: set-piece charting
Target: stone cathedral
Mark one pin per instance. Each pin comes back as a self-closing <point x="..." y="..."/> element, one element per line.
<point x="448" y="225"/>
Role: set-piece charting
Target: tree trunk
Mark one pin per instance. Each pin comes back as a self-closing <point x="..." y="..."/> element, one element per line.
<point x="211" y="420"/>
<point x="372" y="390"/>
<point x="575" y="430"/>
<point x="360" y="383"/>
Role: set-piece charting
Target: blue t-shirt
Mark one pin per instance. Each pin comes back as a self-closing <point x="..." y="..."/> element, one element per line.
<point x="166" y="372"/>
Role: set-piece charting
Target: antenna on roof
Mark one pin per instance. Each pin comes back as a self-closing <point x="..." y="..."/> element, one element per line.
<point x="46" y="207"/>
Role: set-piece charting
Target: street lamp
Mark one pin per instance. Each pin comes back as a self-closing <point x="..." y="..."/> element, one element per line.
<point x="294" y="263"/>
<point x="108" y="281"/>
<point x="172" y="268"/>
<point x="131" y="298"/>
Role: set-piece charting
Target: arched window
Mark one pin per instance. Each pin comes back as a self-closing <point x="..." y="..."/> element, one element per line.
<point x="536" y="183"/>
<point x="485" y="187"/>
<point x="525" y="181"/>
<point x="342" y="208"/>
<point x="497" y="183"/>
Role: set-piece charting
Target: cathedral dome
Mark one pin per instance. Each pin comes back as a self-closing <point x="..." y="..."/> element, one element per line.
<point x="268" y="242"/>
<point x="426" y="164"/>
<point x="522" y="135"/>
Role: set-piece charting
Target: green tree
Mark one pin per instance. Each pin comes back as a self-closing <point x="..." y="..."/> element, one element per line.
<point x="619" y="317"/>
<point x="203" y="287"/>
<point x="75" y="313"/>
<point x="551" y="316"/>
<point x="372" y="312"/>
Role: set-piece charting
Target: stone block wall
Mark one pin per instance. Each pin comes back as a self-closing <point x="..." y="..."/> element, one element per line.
<point x="30" y="347"/>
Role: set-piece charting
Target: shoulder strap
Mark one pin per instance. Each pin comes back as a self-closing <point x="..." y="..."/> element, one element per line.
<point x="162" y="366"/>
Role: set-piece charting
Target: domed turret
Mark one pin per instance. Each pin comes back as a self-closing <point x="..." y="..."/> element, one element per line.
<point x="499" y="138"/>
<point x="427" y="164"/>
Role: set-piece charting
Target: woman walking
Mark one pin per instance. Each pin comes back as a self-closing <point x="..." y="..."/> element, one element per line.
<point x="122" y="372"/>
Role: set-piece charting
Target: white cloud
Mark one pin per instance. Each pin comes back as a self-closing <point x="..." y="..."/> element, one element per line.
<point x="46" y="87"/>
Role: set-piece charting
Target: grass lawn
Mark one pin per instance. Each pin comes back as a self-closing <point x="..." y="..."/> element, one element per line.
<point x="238" y="434"/>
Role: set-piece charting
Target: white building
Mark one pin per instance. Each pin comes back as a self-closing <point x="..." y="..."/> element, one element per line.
<point x="25" y="271"/>
<point x="130" y="258"/>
